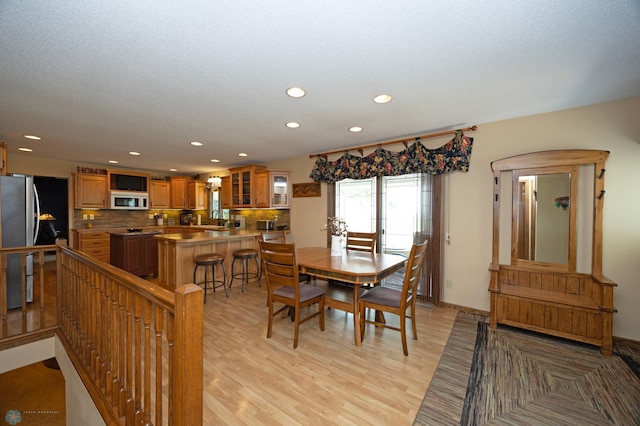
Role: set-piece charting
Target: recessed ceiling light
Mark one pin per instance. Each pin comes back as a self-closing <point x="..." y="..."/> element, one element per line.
<point x="196" y="143"/>
<point x="173" y="170"/>
<point x="296" y="92"/>
<point x="355" y="129"/>
<point x="382" y="99"/>
<point x="113" y="161"/>
<point x="25" y="149"/>
<point x="242" y="154"/>
<point x="292" y="125"/>
<point x="134" y="153"/>
<point x="33" y="137"/>
<point x="215" y="160"/>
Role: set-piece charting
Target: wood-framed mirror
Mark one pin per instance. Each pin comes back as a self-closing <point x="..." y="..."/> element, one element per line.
<point x="548" y="276"/>
<point x="544" y="205"/>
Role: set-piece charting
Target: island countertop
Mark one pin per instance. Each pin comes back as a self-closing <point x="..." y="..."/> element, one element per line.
<point x="191" y="237"/>
<point x="176" y="253"/>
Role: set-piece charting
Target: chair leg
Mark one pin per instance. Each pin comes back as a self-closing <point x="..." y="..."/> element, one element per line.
<point x="413" y="320"/>
<point x="258" y="271"/>
<point x="224" y="279"/>
<point x="321" y="307"/>
<point x="403" y="333"/>
<point x="296" y="326"/>
<point x="363" y="314"/>
<point x="270" y="326"/>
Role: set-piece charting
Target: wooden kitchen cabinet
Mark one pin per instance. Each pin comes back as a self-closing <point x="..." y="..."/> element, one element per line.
<point x="273" y="189"/>
<point x="187" y="193"/>
<point x="225" y="192"/>
<point x="160" y="194"/>
<point x="243" y="186"/>
<point x="93" y="243"/>
<point x="90" y="191"/>
<point x="135" y="252"/>
<point x="197" y="195"/>
<point x="179" y="185"/>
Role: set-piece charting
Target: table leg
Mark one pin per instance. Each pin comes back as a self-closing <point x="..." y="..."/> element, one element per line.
<point x="356" y="314"/>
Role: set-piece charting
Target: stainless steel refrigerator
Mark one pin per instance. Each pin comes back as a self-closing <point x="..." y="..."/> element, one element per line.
<point x="19" y="214"/>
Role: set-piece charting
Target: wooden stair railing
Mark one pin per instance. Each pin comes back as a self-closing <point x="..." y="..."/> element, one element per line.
<point x="31" y="321"/>
<point x="136" y="346"/>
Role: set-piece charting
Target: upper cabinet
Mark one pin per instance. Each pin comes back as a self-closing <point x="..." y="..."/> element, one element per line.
<point x="160" y="194"/>
<point x="197" y="195"/>
<point x="273" y="189"/>
<point x="179" y="196"/>
<point x="243" y="186"/>
<point x="187" y="193"/>
<point x="91" y="191"/>
<point x="225" y="192"/>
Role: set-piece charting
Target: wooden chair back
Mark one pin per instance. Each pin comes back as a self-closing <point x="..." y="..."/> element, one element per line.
<point x="279" y="265"/>
<point x="283" y="286"/>
<point x="361" y="241"/>
<point x="412" y="274"/>
<point x="385" y="299"/>
<point x="273" y="237"/>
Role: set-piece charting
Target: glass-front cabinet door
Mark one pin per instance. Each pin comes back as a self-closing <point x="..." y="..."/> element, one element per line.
<point x="280" y="184"/>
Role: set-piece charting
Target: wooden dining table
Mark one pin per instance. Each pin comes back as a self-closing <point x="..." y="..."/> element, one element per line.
<point x="354" y="267"/>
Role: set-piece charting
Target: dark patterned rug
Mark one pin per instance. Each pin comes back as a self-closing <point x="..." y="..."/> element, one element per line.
<point x="513" y="377"/>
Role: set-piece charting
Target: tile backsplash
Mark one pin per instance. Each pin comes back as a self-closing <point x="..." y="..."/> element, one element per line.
<point x="137" y="218"/>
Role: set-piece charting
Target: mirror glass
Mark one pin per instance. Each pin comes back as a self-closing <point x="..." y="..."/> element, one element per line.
<point x="542" y="217"/>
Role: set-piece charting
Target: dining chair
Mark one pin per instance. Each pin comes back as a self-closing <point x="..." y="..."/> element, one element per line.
<point x="361" y="241"/>
<point x="283" y="286"/>
<point x="394" y="301"/>
<point x="273" y="237"/>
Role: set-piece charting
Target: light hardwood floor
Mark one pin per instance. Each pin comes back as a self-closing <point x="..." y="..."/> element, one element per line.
<point x="249" y="379"/>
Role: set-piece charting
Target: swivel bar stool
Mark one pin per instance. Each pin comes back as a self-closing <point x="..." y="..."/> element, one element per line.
<point x="244" y="255"/>
<point x="206" y="260"/>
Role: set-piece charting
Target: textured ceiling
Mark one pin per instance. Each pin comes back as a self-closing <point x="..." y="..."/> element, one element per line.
<point x="97" y="79"/>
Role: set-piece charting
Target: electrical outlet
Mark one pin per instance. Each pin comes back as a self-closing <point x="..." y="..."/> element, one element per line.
<point x="275" y="218"/>
<point x="84" y="216"/>
<point x="150" y="215"/>
<point x="91" y="216"/>
<point x="164" y="215"/>
<point x="449" y="284"/>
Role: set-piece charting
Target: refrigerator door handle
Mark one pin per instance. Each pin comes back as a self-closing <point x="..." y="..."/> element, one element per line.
<point x="37" y="198"/>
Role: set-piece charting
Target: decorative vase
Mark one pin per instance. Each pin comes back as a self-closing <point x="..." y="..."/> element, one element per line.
<point x="336" y="245"/>
<point x="159" y="221"/>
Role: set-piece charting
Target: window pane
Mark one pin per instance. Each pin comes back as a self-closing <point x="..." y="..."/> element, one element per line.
<point x="356" y="204"/>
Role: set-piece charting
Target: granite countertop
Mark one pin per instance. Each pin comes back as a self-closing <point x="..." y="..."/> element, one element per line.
<point x="143" y="232"/>
<point x="189" y="237"/>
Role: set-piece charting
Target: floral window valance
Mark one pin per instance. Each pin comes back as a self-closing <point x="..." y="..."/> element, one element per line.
<point x="454" y="155"/>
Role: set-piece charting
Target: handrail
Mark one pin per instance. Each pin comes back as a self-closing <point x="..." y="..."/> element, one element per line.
<point x="136" y="346"/>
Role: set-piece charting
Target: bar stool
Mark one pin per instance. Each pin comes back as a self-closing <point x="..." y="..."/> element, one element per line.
<point x="244" y="255"/>
<point x="206" y="260"/>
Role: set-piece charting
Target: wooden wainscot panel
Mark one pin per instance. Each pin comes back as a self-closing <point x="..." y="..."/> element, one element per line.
<point x="573" y="285"/>
<point x="560" y="283"/>
<point x="551" y="317"/>
<point x="594" y="326"/>
<point x="535" y="281"/>
<point x="537" y="314"/>
<point x="513" y="309"/>
<point x="565" y="319"/>
<point x="579" y="326"/>
<point x="525" y="312"/>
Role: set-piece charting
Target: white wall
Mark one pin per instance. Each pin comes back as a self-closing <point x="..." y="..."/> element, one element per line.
<point x="611" y="126"/>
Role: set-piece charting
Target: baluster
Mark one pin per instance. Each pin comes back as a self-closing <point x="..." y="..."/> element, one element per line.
<point x="159" y="327"/>
<point x="148" y="313"/>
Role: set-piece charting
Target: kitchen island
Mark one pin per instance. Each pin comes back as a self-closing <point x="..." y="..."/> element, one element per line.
<point x="176" y="253"/>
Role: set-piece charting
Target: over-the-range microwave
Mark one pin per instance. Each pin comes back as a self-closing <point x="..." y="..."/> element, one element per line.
<point x="128" y="200"/>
